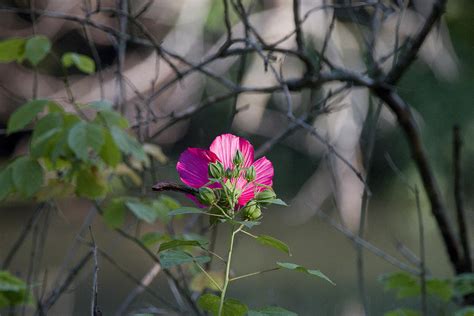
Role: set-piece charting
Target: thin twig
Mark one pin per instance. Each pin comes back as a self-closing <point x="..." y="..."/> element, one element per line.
<point x="458" y="197"/>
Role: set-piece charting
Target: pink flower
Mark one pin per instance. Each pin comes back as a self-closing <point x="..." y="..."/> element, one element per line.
<point x="193" y="165"/>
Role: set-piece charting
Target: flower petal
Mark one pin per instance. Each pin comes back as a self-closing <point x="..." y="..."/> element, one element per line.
<point x="264" y="176"/>
<point x="192" y="166"/>
<point x="225" y="146"/>
<point x="264" y="172"/>
<point x="248" y="192"/>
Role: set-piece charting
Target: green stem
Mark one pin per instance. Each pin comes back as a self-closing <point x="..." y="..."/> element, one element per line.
<point x="253" y="273"/>
<point x="249" y="234"/>
<point x="227" y="269"/>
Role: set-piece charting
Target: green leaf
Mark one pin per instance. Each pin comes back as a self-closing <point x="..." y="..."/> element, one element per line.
<point x="90" y="184"/>
<point x="170" y="203"/>
<point x="210" y="303"/>
<point x="6" y="183"/>
<point x="178" y="243"/>
<point x="466" y="311"/>
<point x="12" y="49"/>
<point x="203" y="241"/>
<point x="296" y="267"/>
<point x="4" y="302"/>
<point x="110" y="153"/>
<point x="464" y="284"/>
<point x="10" y="283"/>
<point x="84" y="136"/>
<point x="405" y="284"/>
<point x="46" y="124"/>
<point x="248" y="224"/>
<point x="46" y="135"/>
<point x="275" y="243"/>
<point x="186" y="210"/>
<point x="101" y="105"/>
<point x="114" y="213"/>
<point x="25" y="114"/>
<point x="403" y="312"/>
<point x="161" y="211"/>
<point x="43" y="145"/>
<point x="152" y="238"/>
<point x="82" y="62"/>
<point x="271" y="311"/>
<point x="142" y="211"/>
<point x="113" y="118"/>
<point x="13" y="291"/>
<point x="442" y="289"/>
<point x="61" y="147"/>
<point x="27" y="175"/>
<point x="172" y="258"/>
<point x="128" y="144"/>
<point x="277" y="202"/>
<point x="36" y="49"/>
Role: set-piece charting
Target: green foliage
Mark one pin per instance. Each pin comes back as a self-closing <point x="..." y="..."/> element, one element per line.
<point x="271" y="311"/>
<point x="248" y="224"/>
<point x="176" y="243"/>
<point x="13" y="291"/>
<point x="150" y="239"/>
<point x="296" y="267"/>
<point x="466" y="311"/>
<point x="110" y="153"/>
<point x="90" y="183"/>
<point x="27" y="175"/>
<point x="275" y="243"/>
<point x="403" y="312"/>
<point x="84" y="137"/>
<point x="25" y="114"/>
<point x="6" y="183"/>
<point x="171" y="258"/>
<point x="114" y="213"/>
<point x="128" y="144"/>
<point x="277" y="202"/>
<point x="463" y="284"/>
<point x="12" y="49"/>
<point x="232" y="307"/>
<point x="442" y="289"/>
<point x="169" y="202"/>
<point x="148" y="210"/>
<point x="142" y="211"/>
<point x="82" y="62"/>
<point x="186" y="210"/>
<point x="82" y="153"/>
<point x="407" y="285"/>
<point x="36" y="49"/>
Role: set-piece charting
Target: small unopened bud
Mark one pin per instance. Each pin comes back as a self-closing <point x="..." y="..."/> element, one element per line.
<point x="250" y="174"/>
<point x="238" y="158"/>
<point x="265" y="196"/>
<point x="206" y="196"/>
<point x="216" y="170"/>
<point x="252" y="212"/>
<point x="232" y="173"/>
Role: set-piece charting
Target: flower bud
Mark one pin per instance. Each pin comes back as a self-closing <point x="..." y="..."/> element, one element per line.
<point x="252" y="212"/>
<point x="265" y="196"/>
<point x="216" y="170"/>
<point x="238" y="158"/>
<point x="250" y="174"/>
<point x="206" y="196"/>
